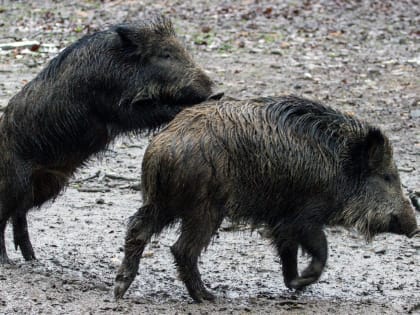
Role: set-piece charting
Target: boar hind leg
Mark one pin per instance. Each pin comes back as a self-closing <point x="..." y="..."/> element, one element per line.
<point x="141" y="227"/>
<point x="4" y="259"/>
<point x="20" y="224"/>
<point x="43" y="185"/>
<point x="315" y="243"/>
<point x="196" y="234"/>
<point x="21" y="236"/>
<point x="4" y="217"/>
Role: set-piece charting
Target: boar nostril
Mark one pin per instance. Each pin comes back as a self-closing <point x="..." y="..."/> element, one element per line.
<point x="416" y="232"/>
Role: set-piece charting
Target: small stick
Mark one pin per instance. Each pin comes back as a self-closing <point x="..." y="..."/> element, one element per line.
<point x="87" y="178"/>
<point x="118" y="177"/>
<point x="93" y="189"/>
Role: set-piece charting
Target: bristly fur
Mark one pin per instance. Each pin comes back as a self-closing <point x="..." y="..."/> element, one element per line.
<point x="157" y="28"/>
<point x="158" y="25"/>
<point x="104" y="85"/>
<point x="287" y="163"/>
<point x="54" y="66"/>
<point x="162" y="26"/>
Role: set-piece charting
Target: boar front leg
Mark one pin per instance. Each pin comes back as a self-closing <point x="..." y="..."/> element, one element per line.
<point x="288" y="254"/>
<point x="315" y="243"/>
<point x="287" y="249"/>
<point x="146" y="222"/>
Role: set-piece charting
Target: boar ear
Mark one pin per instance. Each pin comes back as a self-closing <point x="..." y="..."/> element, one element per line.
<point x="368" y="154"/>
<point x="128" y="35"/>
<point x="378" y="150"/>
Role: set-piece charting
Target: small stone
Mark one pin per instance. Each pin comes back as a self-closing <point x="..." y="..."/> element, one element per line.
<point x="390" y="62"/>
<point x="115" y="261"/>
<point x="415" y="113"/>
<point x="100" y="201"/>
<point x="147" y="254"/>
<point x="414" y="61"/>
<point x="276" y="52"/>
<point x="307" y="75"/>
<point x="136" y="186"/>
<point x="380" y="250"/>
<point x="284" y="45"/>
<point x="206" y="29"/>
<point x="255" y="51"/>
<point x="374" y="72"/>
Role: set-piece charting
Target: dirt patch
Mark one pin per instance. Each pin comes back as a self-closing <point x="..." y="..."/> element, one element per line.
<point x="360" y="56"/>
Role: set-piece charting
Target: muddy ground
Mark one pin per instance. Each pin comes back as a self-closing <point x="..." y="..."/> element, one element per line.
<point x="360" y="56"/>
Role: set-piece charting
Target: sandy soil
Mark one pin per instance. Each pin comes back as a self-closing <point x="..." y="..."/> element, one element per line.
<point x="360" y="56"/>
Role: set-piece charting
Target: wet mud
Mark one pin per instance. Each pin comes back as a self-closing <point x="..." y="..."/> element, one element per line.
<point x="359" y="56"/>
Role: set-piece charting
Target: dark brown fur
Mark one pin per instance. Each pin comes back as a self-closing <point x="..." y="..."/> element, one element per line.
<point x="290" y="164"/>
<point x="129" y="78"/>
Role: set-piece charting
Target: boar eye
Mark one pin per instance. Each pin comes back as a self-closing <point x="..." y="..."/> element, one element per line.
<point x="165" y="55"/>
<point x="387" y="178"/>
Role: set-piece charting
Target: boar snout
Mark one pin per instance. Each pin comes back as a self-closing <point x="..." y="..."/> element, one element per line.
<point x="404" y="226"/>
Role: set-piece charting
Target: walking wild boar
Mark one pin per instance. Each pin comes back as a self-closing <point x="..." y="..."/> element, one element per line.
<point x="290" y="164"/>
<point x="131" y="77"/>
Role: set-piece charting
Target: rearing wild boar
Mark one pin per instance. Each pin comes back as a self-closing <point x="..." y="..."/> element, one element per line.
<point x="288" y="163"/>
<point x="131" y="77"/>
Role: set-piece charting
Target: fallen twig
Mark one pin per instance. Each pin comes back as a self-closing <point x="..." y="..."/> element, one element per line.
<point x="20" y="44"/>
<point x="139" y="146"/>
<point x="118" y="177"/>
<point x="81" y="180"/>
<point x="93" y="189"/>
<point x="134" y="186"/>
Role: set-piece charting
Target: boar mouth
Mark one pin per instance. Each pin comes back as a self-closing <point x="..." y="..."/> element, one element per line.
<point x="191" y="100"/>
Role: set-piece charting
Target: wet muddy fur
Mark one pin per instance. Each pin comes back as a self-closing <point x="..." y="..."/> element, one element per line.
<point x="290" y="164"/>
<point x="129" y="78"/>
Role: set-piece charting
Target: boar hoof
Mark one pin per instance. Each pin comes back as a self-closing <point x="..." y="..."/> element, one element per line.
<point x="4" y="260"/>
<point x="208" y="296"/>
<point x="27" y="251"/>
<point x="201" y="295"/>
<point x="121" y="286"/>
<point x="301" y="282"/>
<point x="22" y="241"/>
